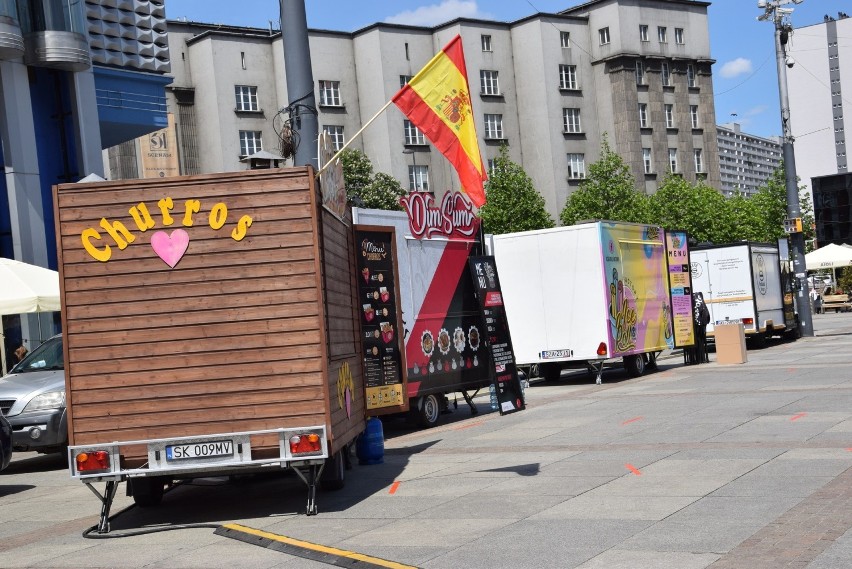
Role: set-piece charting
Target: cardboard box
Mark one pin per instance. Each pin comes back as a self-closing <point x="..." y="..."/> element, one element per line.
<point x="730" y="344"/>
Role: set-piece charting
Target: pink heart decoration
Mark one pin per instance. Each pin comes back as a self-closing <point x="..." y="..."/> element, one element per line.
<point x="170" y="248"/>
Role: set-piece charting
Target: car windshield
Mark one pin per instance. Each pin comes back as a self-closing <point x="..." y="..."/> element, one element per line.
<point x="47" y="356"/>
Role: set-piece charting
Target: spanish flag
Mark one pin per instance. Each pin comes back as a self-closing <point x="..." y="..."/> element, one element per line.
<point x="437" y="101"/>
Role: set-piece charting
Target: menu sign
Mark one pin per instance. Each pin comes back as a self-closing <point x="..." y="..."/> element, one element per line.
<point x="510" y="397"/>
<point x="680" y="288"/>
<point x="384" y="376"/>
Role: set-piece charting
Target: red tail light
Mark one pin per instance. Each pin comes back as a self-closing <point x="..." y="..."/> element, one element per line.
<point x="748" y="321"/>
<point x="309" y="443"/>
<point x="93" y="461"/>
<point x="602" y="349"/>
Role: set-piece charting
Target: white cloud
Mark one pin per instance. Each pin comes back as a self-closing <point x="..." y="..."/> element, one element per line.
<point x="739" y="66"/>
<point x="434" y="14"/>
<point x="758" y="110"/>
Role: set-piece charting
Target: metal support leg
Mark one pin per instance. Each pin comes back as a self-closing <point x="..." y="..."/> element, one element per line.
<point x="106" y="503"/>
<point x="599" y="372"/>
<point x="314" y="473"/>
<point x="469" y="400"/>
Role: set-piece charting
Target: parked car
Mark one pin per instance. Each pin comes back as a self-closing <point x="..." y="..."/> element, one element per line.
<point x="5" y="442"/>
<point x="32" y="397"/>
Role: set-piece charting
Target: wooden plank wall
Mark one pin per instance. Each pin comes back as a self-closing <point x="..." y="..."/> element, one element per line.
<point x="231" y="339"/>
<point x="344" y="328"/>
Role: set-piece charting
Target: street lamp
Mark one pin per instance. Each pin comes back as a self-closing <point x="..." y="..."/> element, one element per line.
<point x="774" y="12"/>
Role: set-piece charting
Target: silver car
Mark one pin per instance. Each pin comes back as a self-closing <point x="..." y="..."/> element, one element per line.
<point x="32" y="397"/>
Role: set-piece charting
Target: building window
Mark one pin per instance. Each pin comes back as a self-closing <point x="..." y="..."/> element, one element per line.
<point x="693" y="113"/>
<point x="413" y="134"/>
<point x="335" y="133"/>
<point x="565" y="39"/>
<point x="568" y="77"/>
<point x="669" y="116"/>
<point x="246" y="97"/>
<point x="250" y="142"/>
<point x="330" y="93"/>
<point x="603" y="35"/>
<point x="571" y="120"/>
<point x="646" y="159"/>
<point x="576" y="166"/>
<point x="418" y="178"/>
<point x="488" y="83"/>
<point x="673" y="160"/>
<point x="643" y="32"/>
<point x="690" y="75"/>
<point x="486" y="43"/>
<point x="643" y="115"/>
<point x="666" y="74"/>
<point x="491" y="164"/>
<point x="640" y="73"/>
<point x="494" y="127"/>
<point x="699" y="162"/>
<point x="403" y="80"/>
<point x="661" y="34"/>
<point x="679" y="36"/>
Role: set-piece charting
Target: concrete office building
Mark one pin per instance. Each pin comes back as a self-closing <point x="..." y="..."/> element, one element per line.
<point x="820" y="92"/>
<point x="75" y="78"/>
<point x="547" y="86"/>
<point x="746" y="162"/>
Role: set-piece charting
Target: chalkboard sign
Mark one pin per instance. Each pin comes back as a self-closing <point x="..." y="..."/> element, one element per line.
<point x="507" y="385"/>
<point x="381" y="327"/>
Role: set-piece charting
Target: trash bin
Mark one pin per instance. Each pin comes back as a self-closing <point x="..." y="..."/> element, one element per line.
<point x="730" y="343"/>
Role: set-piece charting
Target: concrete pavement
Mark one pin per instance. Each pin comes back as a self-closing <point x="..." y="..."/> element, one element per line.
<point x="744" y="466"/>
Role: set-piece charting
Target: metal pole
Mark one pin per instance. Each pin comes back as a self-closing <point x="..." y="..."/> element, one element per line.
<point x="797" y="239"/>
<point x="300" y="81"/>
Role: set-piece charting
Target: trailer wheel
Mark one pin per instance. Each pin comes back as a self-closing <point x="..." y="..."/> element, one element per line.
<point x="147" y="492"/>
<point x="759" y="341"/>
<point x="635" y="365"/>
<point x="551" y="372"/>
<point x="334" y="473"/>
<point x="428" y="411"/>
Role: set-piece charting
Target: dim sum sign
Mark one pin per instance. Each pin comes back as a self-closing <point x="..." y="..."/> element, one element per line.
<point x="454" y="218"/>
<point x="170" y="247"/>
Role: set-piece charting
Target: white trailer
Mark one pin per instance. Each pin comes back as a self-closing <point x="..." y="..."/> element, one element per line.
<point x="745" y="282"/>
<point x="581" y="295"/>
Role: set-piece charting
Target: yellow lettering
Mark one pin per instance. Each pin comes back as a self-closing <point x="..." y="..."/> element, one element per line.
<point x="191" y="206"/>
<point x="143" y="221"/>
<point x="218" y="215"/>
<point x="114" y="229"/>
<point x="166" y="205"/>
<point x="102" y="255"/>
<point x="241" y="229"/>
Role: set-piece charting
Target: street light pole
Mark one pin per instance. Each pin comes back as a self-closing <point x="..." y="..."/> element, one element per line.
<point x="783" y="29"/>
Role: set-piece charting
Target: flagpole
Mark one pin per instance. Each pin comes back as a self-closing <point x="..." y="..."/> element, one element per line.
<point x="333" y="158"/>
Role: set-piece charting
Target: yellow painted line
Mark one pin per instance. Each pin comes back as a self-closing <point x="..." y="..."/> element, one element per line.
<point x="729" y="299"/>
<point x="375" y="561"/>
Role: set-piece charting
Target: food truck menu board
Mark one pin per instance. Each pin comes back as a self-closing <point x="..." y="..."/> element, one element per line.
<point x="510" y="397"/>
<point x="384" y="366"/>
<point x="680" y="287"/>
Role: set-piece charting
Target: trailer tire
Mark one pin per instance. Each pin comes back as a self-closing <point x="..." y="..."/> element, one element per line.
<point x="635" y="365"/>
<point x="759" y="341"/>
<point x="147" y="492"/>
<point x="334" y="473"/>
<point x="551" y="372"/>
<point x="428" y="410"/>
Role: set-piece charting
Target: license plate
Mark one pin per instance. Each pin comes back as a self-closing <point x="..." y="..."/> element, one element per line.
<point x="553" y="354"/>
<point x="209" y="449"/>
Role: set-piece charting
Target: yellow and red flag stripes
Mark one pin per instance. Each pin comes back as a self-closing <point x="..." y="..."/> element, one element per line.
<point x="437" y="101"/>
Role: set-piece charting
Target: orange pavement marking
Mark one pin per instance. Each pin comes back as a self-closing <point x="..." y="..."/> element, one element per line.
<point x="633" y="420"/>
<point x="469" y="425"/>
<point x="393" y="487"/>
<point x="633" y="469"/>
<point x="797" y="417"/>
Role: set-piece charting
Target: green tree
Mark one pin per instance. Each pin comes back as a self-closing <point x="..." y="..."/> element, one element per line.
<point x="512" y="202"/>
<point x="698" y="209"/>
<point x="609" y="192"/>
<point x="365" y="188"/>
<point x="383" y="192"/>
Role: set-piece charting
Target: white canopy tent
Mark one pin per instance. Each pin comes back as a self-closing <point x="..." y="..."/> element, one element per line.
<point x="23" y="289"/>
<point x="829" y="257"/>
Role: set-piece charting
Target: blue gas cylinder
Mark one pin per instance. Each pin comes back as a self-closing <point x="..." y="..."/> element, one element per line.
<point x="370" y="447"/>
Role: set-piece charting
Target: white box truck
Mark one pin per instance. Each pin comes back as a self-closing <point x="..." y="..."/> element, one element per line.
<point x="581" y="295"/>
<point x="746" y="282"/>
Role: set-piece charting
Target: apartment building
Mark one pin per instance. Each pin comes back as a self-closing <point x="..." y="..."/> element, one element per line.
<point x="746" y="161"/>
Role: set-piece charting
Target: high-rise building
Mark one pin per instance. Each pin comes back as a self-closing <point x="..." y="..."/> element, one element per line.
<point x="746" y="161"/>
<point x="548" y="86"/>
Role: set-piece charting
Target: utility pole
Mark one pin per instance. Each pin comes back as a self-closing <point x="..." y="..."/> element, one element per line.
<point x="300" y="82"/>
<point x="783" y="30"/>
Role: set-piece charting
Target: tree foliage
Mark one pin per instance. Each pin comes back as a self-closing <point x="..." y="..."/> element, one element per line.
<point x="512" y="202"/>
<point x="365" y="188"/>
<point x="608" y="192"/>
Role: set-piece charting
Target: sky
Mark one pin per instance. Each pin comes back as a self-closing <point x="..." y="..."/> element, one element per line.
<point x="745" y="80"/>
